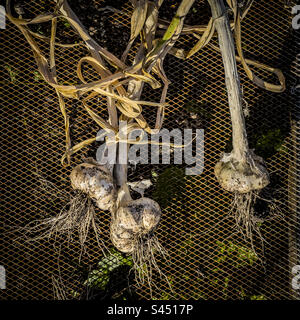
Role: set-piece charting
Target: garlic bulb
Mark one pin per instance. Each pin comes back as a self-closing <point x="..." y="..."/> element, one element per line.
<point x="134" y="219"/>
<point x="121" y="238"/>
<point x="242" y="176"/>
<point x="96" y="181"/>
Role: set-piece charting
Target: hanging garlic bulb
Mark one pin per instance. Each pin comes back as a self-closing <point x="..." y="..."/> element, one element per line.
<point x="96" y="181"/>
<point x="134" y="219"/>
<point x="240" y="171"/>
<point x="242" y="176"/>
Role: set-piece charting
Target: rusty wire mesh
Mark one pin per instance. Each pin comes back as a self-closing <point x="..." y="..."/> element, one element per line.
<point x="208" y="259"/>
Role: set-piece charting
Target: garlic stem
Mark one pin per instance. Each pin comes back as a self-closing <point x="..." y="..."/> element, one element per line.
<point x="226" y="43"/>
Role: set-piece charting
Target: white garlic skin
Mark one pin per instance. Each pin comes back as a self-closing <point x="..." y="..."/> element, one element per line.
<point x="97" y="182"/>
<point x="135" y="218"/>
<point x="242" y="176"/>
<point x="121" y="238"/>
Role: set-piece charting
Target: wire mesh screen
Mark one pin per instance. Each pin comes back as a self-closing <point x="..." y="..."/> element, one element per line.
<point x="208" y="258"/>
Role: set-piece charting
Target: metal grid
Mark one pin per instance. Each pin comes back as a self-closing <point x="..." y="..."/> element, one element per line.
<point x="208" y="259"/>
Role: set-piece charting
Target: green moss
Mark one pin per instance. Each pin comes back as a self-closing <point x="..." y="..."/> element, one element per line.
<point x="169" y="184"/>
<point x="200" y="109"/>
<point x="269" y="142"/>
<point x="265" y="143"/>
<point x="259" y="297"/>
<point x="99" y="278"/>
<point x="251" y="297"/>
<point x="233" y="255"/>
<point x="238" y="256"/>
<point x="67" y="24"/>
<point x="37" y="76"/>
<point x="40" y="29"/>
<point x="12" y="73"/>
